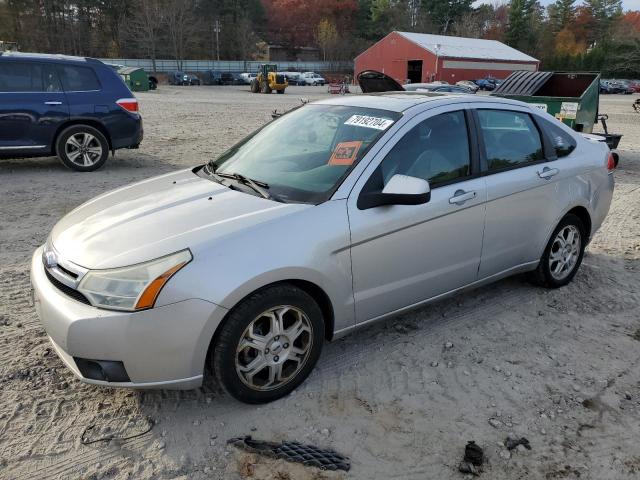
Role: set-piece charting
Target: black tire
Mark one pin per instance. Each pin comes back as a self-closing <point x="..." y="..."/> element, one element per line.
<point x="542" y="275"/>
<point x="233" y="329"/>
<point x="79" y="130"/>
<point x="265" y="87"/>
<point x="280" y="91"/>
<point x="254" y="86"/>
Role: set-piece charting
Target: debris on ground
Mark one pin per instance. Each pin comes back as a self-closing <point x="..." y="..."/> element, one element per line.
<point x="294" y="452"/>
<point x="512" y="443"/>
<point x="473" y="459"/>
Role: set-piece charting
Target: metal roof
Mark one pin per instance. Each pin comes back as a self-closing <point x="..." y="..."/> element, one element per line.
<point x="522" y="83"/>
<point x="460" y="47"/>
<point x="128" y="70"/>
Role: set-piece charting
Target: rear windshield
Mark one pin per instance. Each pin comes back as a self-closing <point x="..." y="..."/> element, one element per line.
<point x="304" y="155"/>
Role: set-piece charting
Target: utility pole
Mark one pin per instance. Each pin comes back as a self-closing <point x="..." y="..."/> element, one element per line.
<point x="216" y="28"/>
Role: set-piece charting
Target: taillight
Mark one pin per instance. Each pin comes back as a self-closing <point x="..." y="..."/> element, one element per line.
<point x="612" y="161"/>
<point x="129" y="104"/>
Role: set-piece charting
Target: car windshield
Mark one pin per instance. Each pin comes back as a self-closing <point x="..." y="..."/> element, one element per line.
<point x="304" y="155"/>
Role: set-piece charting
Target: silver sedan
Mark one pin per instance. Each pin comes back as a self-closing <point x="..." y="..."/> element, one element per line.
<point x="333" y="216"/>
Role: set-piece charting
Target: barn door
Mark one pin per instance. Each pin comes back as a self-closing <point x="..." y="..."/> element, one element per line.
<point x="414" y="71"/>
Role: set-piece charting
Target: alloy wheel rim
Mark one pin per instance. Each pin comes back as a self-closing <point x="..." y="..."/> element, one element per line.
<point x="83" y="149"/>
<point x="564" y="253"/>
<point x="273" y="348"/>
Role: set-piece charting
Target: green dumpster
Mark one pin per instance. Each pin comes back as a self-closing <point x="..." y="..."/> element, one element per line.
<point x="135" y="78"/>
<point x="570" y="97"/>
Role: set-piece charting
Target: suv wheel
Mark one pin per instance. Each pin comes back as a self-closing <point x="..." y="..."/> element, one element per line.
<point x="269" y="344"/>
<point x="563" y="254"/>
<point x="82" y="148"/>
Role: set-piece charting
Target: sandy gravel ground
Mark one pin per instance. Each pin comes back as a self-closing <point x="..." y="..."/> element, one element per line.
<point x="561" y="368"/>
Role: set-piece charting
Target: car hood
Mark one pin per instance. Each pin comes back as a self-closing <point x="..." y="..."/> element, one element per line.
<point x="155" y="217"/>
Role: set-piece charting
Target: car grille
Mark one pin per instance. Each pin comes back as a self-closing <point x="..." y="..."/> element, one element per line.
<point x="70" y="292"/>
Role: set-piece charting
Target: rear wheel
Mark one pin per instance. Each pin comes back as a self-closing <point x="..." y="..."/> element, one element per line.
<point x="254" y="86"/>
<point x="269" y="344"/>
<point x="280" y="91"/>
<point x="563" y="255"/>
<point x="82" y="148"/>
<point x="265" y="87"/>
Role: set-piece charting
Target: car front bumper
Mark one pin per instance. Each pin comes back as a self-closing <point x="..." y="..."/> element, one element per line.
<point x="163" y="347"/>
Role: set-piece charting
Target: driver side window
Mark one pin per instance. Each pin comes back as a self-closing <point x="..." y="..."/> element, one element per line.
<point x="436" y="150"/>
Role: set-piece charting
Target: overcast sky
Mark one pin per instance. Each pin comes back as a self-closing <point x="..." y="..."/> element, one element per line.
<point x="626" y="4"/>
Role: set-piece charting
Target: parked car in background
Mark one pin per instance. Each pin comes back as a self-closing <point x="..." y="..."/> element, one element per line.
<point x="625" y="87"/>
<point x="396" y="201"/>
<point x="468" y="84"/>
<point x="178" y="78"/>
<point x="488" y="84"/>
<point x="293" y="78"/>
<point x="193" y="79"/>
<point x="76" y="108"/>
<point x="210" y="77"/>
<point x="246" y="78"/>
<point x="635" y="85"/>
<point x="214" y="77"/>
<point x="311" y="78"/>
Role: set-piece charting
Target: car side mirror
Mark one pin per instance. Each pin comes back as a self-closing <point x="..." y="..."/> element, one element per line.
<point x="399" y="190"/>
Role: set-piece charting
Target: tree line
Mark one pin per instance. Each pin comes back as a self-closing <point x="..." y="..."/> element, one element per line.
<point x="592" y="35"/>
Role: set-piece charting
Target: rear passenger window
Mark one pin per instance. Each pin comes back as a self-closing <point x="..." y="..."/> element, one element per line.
<point x="436" y="150"/>
<point x="510" y="139"/>
<point x="79" y="79"/>
<point x="562" y="142"/>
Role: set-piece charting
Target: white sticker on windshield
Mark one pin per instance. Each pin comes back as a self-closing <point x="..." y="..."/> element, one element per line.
<point x="369" y="122"/>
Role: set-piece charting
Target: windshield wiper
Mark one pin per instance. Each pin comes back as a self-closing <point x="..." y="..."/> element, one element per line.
<point x="256" y="185"/>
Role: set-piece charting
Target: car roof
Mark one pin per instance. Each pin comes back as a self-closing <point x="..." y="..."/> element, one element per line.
<point x="401" y="101"/>
<point x="45" y="56"/>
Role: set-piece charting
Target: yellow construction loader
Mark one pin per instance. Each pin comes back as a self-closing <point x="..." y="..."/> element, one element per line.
<point x="268" y="79"/>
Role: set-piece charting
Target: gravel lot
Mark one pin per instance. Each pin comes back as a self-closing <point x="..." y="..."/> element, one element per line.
<point x="561" y="367"/>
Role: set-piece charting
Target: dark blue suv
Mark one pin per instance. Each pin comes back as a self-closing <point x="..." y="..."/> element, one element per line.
<point x="76" y="108"/>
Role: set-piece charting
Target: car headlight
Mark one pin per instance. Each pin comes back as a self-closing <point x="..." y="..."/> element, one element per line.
<point x="132" y="288"/>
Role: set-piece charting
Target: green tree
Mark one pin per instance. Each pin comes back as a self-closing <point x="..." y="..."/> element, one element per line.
<point x="524" y="25"/>
<point x="444" y="13"/>
<point x="326" y="36"/>
<point x="561" y="13"/>
<point x="605" y="13"/>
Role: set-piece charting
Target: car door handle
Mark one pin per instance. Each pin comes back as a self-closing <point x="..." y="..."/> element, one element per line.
<point x="547" y="173"/>
<point x="461" y="196"/>
<point x="53" y="103"/>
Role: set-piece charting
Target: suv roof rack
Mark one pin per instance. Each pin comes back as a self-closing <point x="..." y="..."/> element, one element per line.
<point x="45" y="56"/>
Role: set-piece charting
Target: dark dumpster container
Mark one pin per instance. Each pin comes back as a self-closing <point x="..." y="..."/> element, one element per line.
<point x="570" y="97"/>
<point x="136" y="78"/>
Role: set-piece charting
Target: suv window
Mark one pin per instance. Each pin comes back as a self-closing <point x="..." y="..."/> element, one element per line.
<point x="436" y="150"/>
<point x="562" y="142"/>
<point x="510" y="138"/>
<point x="79" y="79"/>
<point x="28" y="77"/>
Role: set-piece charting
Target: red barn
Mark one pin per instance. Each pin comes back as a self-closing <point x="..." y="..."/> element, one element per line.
<point x="422" y="57"/>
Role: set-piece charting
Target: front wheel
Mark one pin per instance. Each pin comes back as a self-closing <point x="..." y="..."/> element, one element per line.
<point x="82" y="148"/>
<point x="269" y="344"/>
<point x="280" y="91"/>
<point x="563" y="255"/>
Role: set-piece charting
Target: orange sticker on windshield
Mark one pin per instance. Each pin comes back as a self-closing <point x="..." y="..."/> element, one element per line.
<point x="345" y="153"/>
